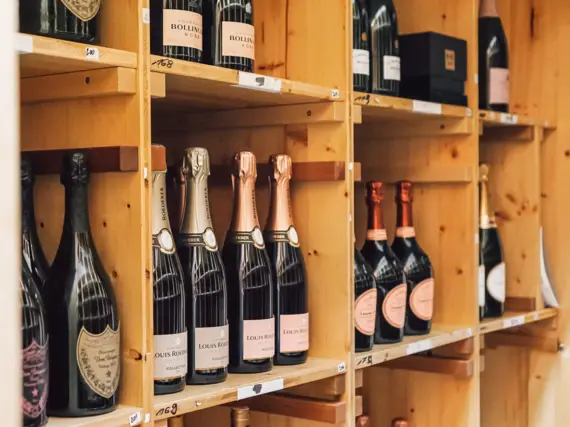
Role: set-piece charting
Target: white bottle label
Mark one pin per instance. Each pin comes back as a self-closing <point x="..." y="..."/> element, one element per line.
<point x="496" y="283"/>
<point x="392" y="68"/>
<point x="499" y="86"/>
<point x="481" y="285"/>
<point x="360" y="62"/>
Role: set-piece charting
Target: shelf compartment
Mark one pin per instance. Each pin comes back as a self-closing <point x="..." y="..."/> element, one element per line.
<point x="217" y="88"/>
<point x="123" y="416"/>
<point x="434" y="174"/>
<point x="439" y="336"/>
<point x="459" y="368"/>
<point x="512" y="319"/>
<point x="238" y="387"/>
<point x="41" y="56"/>
<point x="496" y="119"/>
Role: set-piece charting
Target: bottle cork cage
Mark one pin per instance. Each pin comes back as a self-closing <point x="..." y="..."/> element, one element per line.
<point x="115" y="100"/>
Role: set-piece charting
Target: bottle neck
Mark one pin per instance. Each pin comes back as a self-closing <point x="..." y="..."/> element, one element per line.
<point x="404" y="215"/>
<point x="488" y="8"/>
<point x="376" y="228"/>
<point x="159" y="212"/>
<point x="486" y="219"/>
<point x="28" y="216"/>
<point x="244" y="218"/>
<point x="280" y="209"/>
<point x="76" y="208"/>
<point x="197" y="216"/>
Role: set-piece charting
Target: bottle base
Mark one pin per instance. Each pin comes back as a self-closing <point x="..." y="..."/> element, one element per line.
<point x="286" y="360"/>
<point x="413" y="332"/>
<point x="382" y="341"/>
<point x="160" y="389"/>
<point x="76" y="413"/>
<point x="203" y="380"/>
<point x="250" y="368"/>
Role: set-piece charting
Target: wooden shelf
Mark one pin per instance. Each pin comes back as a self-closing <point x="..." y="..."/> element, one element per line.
<point x="512" y="319"/>
<point x="41" y="56"/>
<point x="238" y="387"/>
<point x="201" y="86"/>
<point x="123" y="416"/>
<point x="421" y="174"/>
<point x="438" y="337"/>
<point x="495" y="119"/>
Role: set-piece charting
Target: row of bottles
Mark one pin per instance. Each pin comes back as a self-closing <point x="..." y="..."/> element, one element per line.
<point x="394" y="285"/>
<point x="376" y="52"/>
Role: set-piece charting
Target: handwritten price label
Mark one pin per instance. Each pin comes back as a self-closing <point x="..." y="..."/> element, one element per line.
<point x="362" y="362"/>
<point x="168" y="410"/>
<point x="248" y="391"/>
<point x="509" y="119"/>
<point x="513" y="321"/>
<point x="135" y="419"/>
<point x="92" y="53"/>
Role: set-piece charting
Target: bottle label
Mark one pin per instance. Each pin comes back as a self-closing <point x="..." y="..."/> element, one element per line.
<point x="365" y="312"/>
<point x="211" y="348"/>
<point x="290" y="236"/>
<point x="406" y="232"/>
<point x="377" y="235"/>
<point x="170" y="356"/>
<point x="496" y="283"/>
<point x="238" y="39"/>
<point x="481" y="285"/>
<point x="35" y="373"/>
<point x="258" y="339"/>
<point x="207" y="239"/>
<point x="499" y="86"/>
<point x="421" y="299"/>
<point x="182" y="28"/>
<point x="164" y="241"/>
<point x="294" y="332"/>
<point x="394" y="306"/>
<point x="360" y="62"/>
<point x="83" y="9"/>
<point x="241" y="237"/>
<point x="98" y="360"/>
<point x="392" y="68"/>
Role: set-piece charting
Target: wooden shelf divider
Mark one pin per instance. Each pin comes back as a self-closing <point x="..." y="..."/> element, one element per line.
<point x="459" y="368"/>
<point x="327" y="389"/>
<point x="505" y="339"/>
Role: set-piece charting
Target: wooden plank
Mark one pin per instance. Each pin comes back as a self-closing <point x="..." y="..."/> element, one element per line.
<point x="513" y="319"/>
<point x="157" y="85"/>
<point x="326" y="389"/>
<point x="435" y="174"/>
<point x="120" y="417"/>
<point x="158" y="157"/>
<point x="459" y="350"/>
<point x="358" y="379"/>
<point x="84" y="84"/>
<point x="358" y="406"/>
<point x="411" y="128"/>
<point x="104" y="159"/>
<point x="503" y="339"/>
<point x="520" y="304"/>
<point x="308" y="409"/>
<point x="459" y="368"/>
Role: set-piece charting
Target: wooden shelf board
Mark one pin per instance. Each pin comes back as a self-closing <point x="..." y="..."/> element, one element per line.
<point x="204" y="86"/>
<point x="42" y="56"/>
<point x="511" y="319"/>
<point x="121" y="417"/>
<point x="380" y="107"/>
<point x="438" y="337"/>
<point x="194" y="398"/>
<point x="496" y="119"/>
<point x="458" y="174"/>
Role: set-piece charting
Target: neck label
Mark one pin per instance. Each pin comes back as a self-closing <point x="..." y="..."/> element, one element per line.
<point x="207" y="239"/>
<point x="406" y="232"/>
<point x="290" y="236"/>
<point x="377" y="235"/>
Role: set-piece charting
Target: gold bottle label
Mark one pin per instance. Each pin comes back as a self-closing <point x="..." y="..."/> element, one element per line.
<point x="83" y="9"/>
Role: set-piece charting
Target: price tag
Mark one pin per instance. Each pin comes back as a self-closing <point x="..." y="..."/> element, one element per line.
<point x="341" y="368"/>
<point x="364" y="361"/>
<point x="259" y="82"/>
<point x="509" y="119"/>
<point x="513" y="321"/>
<point x="412" y="348"/>
<point x="469" y="112"/>
<point x="92" y="53"/>
<point x="24" y="44"/>
<point x="146" y="15"/>
<point x="535" y="316"/>
<point x="424" y="107"/>
<point x="335" y="94"/>
<point x="248" y="391"/>
<point x="135" y="419"/>
<point x="469" y="332"/>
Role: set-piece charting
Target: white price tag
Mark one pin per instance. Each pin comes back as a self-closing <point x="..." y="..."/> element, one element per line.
<point x="513" y="321"/>
<point x="147" y="418"/>
<point x="248" y="391"/>
<point x="341" y="368"/>
<point x="469" y="112"/>
<point x="535" y="316"/>
<point x="24" y="43"/>
<point x="509" y="119"/>
<point x="146" y="15"/>
<point x="469" y="332"/>
<point x="419" y="346"/>
<point x="424" y="107"/>
<point x="92" y="53"/>
<point x="412" y="348"/>
<point x="335" y="94"/>
<point x="259" y="82"/>
<point x="135" y="419"/>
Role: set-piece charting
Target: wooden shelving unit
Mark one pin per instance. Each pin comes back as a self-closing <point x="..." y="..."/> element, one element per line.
<point x="123" y="416"/>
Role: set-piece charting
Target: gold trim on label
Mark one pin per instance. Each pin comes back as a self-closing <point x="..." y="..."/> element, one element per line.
<point x="85" y="10"/>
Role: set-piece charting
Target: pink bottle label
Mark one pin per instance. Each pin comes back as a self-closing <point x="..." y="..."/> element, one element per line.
<point x="211" y="349"/>
<point x="182" y="28"/>
<point x="421" y="299"/>
<point x="394" y="306"/>
<point x="294" y="334"/>
<point x="258" y="339"/>
<point x="499" y="86"/>
<point x="365" y="312"/>
<point x="406" y="232"/>
<point x="238" y="39"/>
<point x="35" y="377"/>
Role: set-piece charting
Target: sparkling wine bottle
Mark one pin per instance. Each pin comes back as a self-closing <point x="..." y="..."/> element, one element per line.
<point x="248" y="272"/>
<point x="176" y="29"/>
<point x="360" y="46"/>
<point x="366" y="297"/>
<point x="491" y="253"/>
<point x="82" y="317"/>
<point x="35" y="360"/>
<point x="239" y="417"/>
<point x="388" y="272"/>
<point x="290" y="292"/>
<point x="385" y="48"/>
<point x="206" y="292"/>
<point x="169" y="300"/>
<point x="231" y="41"/>
<point x="32" y="250"/>
<point x="65" y="19"/>
<point x="417" y="266"/>
<point x="493" y="60"/>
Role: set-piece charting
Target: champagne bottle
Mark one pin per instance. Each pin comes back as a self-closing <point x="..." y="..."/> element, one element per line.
<point x="493" y="60"/>
<point x="35" y="360"/>
<point x="206" y="292"/>
<point x="360" y="46"/>
<point x="82" y="318"/>
<point x="231" y="41"/>
<point x="384" y="48"/>
<point x="388" y="272"/>
<point x="400" y="422"/>
<point x="491" y="251"/>
<point x="169" y="300"/>
<point x="248" y="272"/>
<point x="417" y="266"/>
<point x="176" y="29"/>
<point x="290" y="292"/>
<point x="32" y="250"/>
<point x="64" y="19"/>
<point x="239" y="416"/>
<point x="366" y="296"/>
